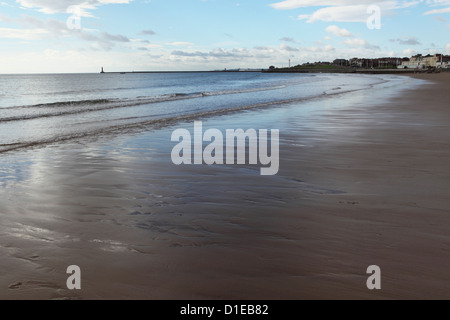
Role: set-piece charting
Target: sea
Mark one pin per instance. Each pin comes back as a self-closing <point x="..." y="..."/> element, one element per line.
<point x="41" y="109"/>
<point x="87" y="180"/>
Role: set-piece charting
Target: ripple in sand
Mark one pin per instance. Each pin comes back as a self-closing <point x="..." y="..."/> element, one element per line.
<point x="15" y="285"/>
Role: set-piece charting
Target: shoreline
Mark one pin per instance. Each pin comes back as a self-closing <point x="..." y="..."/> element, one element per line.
<point x="358" y="71"/>
<point x="361" y="183"/>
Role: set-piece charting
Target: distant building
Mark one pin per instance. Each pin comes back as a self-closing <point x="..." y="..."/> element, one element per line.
<point x="416" y="62"/>
<point x="385" y="63"/>
<point x="341" y="62"/>
<point x="356" y="62"/>
<point x="442" y="61"/>
<point x="430" y="61"/>
<point x="424" y="62"/>
<point x="388" y="62"/>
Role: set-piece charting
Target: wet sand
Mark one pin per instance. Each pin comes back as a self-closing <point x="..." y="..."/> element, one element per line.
<point x="360" y="184"/>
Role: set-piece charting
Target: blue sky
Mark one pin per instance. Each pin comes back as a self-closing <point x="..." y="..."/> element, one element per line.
<point x="126" y="35"/>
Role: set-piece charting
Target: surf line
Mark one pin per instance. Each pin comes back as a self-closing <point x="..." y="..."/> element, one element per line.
<point x="235" y="146"/>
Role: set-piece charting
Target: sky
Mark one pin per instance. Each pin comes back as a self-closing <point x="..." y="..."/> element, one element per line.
<point x="75" y="36"/>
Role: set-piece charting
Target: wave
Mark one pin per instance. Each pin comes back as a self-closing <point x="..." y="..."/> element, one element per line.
<point x="142" y="124"/>
<point x="85" y="106"/>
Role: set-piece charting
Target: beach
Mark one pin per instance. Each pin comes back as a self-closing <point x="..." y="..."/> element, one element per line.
<point x="362" y="182"/>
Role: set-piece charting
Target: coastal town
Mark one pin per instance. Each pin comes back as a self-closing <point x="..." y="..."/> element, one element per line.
<point x="417" y="63"/>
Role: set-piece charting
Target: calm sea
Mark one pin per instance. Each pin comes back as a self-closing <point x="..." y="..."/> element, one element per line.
<point x="37" y="110"/>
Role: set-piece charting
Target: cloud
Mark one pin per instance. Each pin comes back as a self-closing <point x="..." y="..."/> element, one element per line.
<point x="438" y="11"/>
<point x="103" y="41"/>
<point x="48" y="60"/>
<point x="148" y="32"/>
<point x="164" y="59"/>
<point x="357" y="13"/>
<point x="56" y="29"/>
<point x="342" y="10"/>
<point x="28" y="20"/>
<point x="114" y="38"/>
<point x="356" y="42"/>
<point x="338" y="32"/>
<point x="181" y="44"/>
<point x="439" y="18"/>
<point x="79" y="7"/>
<point x="407" y="42"/>
<point x="285" y="47"/>
<point x="288" y="39"/>
<point x="409" y="52"/>
<point x="294" y="4"/>
<point x="40" y="29"/>
<point x="23" y="34"/>
<point x="303" y="17"/>
<point x="4" y="18"/>
<point x="248" y="57"/>
<point x="216" y="53"/>
<point x="258" y="56"/>
<point x="438" y="3"/>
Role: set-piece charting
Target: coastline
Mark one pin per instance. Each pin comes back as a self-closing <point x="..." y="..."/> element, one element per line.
<point x="348" y="70"/>
<point x="359" y="185"/>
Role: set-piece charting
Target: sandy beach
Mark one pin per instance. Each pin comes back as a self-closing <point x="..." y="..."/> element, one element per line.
<point x="368" y="184"/>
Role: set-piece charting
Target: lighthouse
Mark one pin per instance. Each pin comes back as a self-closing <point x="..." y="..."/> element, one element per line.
<point x="102" y="71"/>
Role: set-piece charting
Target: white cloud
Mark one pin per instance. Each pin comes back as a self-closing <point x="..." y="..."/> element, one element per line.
<point x="303" y="17"/>
<point x="342" y="10"/>
<point x="23" y="34"/>
<point x="356" y="42"/>
<point x="51" y="60"/>
<point x="437" y="11"/>
<point x="447" y="48"/>
<point x="140" y="57"/>
<point x="438" y="3"/>
<point x="181" y="44"/>
<point x="409" y="52"/>
<point x="4" y="18"/>
<point x="338" y="32"/>
<point x="52" y="29"/>
<point x="294" y="4"/>
<point x="256" y="57"/>
<point x="79" y="7"/>
<point x="356" y="13"/>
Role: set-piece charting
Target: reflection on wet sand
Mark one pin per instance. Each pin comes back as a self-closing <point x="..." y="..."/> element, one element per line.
<point x="140" y="227"/>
